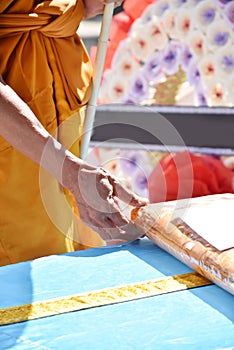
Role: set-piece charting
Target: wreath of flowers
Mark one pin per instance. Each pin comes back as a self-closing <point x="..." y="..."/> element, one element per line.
<point x="190" y="41"/>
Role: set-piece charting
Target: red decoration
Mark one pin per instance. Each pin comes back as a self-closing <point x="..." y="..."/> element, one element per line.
<point x="135" y="8"/>
<point x="185" y="175"/>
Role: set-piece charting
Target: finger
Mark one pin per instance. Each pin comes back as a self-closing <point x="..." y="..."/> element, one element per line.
<point x="112" y="242"/>
<point x="131" y="230"/>
<point x="128" y="196"/>
<point x="115" y="233"/>
<point x="117" y="216"/>
<point x="126" y="229"/>
<point x="108" y="229"/>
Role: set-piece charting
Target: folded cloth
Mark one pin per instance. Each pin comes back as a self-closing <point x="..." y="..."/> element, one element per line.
<point x="185" y="175"/>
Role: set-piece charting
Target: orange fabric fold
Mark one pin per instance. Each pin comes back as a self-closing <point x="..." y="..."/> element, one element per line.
<point x="23" y="35"/>
<point x="45" y="62"/>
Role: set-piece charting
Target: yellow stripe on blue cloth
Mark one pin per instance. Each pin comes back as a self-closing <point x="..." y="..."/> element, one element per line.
<point x="102" y="297"/>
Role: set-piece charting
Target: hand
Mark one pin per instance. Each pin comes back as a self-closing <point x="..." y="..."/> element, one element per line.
<point x="96" y="7"/>
<point x="96" y="193"/>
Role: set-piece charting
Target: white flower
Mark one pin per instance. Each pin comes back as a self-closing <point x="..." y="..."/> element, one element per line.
<point x="216" y="93"/>
<point x="218" y="35"/>
<point x="148" y="13"/>
<point x="230" y="89"/>
<point x="121" y="51"/>
<point x="154" y="10"/>
<point x="179" y="3"/>
<point x="103" y="96"/>
<point x="139" y="44"/>
<point x="116" y="86"/>
<point x="207" y="67"/>
<point x="205" y="13"/>
<point x="160" y="7"/>
<point x="126" y="66"/>
<point x="137" y="25"/>
<point x="183" y="23"/>
<point x="196" y="42"/>
<point x="230" y="84"/>
<point x="156" y="34"/>
<point x="169" y="22"/>
<point x="193" y="3"/>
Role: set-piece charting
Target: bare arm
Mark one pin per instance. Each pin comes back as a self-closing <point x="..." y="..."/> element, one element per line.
<point x="95" y="190"/>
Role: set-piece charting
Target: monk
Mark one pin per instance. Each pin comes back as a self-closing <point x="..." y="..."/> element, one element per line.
<point x="46" y="191"/>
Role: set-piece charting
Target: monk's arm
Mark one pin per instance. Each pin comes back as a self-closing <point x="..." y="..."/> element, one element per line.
<point x="94" y="189"/>
<point x="20" y="127"/>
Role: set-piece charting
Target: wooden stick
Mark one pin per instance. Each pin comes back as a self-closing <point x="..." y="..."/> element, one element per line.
<point x="97" y="76"/>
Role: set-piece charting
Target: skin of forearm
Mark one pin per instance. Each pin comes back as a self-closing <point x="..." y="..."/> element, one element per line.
<point x="20" y="127"/>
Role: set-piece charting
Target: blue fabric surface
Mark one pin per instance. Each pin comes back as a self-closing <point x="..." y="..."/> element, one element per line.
<point x="200" y="318"/>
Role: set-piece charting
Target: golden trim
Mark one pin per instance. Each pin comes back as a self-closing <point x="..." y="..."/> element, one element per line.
<point x="101" y="297"/>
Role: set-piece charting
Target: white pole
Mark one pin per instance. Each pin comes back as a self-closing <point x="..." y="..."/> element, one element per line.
<point x="97" y="76"/>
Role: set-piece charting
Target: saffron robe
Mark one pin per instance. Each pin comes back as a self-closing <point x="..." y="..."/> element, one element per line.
<point x="45" y="62"/>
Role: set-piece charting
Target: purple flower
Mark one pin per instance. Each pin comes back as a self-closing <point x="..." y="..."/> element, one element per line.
<point x="163" y="8"/>
<point x="139" y="87"/>
<point x="200" y="97"/>
<point x="159" y="7"/>
<point x="193" y="74"/>
<point x="140" y="184"/>
<point x="208" y="15"/>
<point x="221" y="38"/>
<point x="229" y="13"/>
<point x="132" y="161"/>
<point x="186" y="57"/>
<point x="179" y="3"/>
<point x="218" y="34"/>
<point x="206" y="12"/>
<point x="153" y="67"/>
<point x="128" y="100"/>
<point x="223" y="2"/>
<point x="228" y="62"/>
<point x="128" y="163"/>
<point x="171" y="57"/>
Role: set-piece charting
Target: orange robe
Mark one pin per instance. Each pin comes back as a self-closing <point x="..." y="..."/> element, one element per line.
<point x="44" y="61"/>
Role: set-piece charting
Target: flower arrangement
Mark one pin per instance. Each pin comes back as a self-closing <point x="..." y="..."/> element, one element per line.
<point x="174" y="48"/>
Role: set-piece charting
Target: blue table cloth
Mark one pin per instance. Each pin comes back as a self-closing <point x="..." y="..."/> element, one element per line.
<point x="199" y="318"/>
